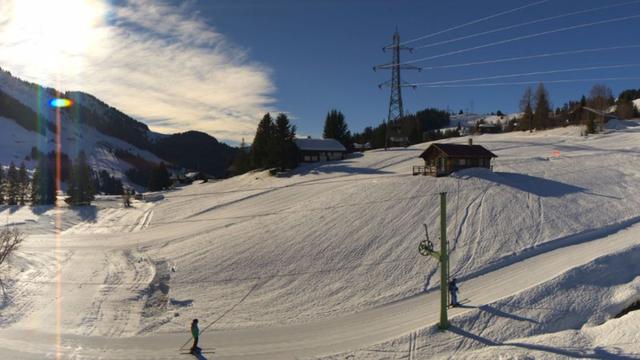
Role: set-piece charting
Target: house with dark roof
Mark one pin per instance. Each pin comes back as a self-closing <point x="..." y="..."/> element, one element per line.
<point x="443" y="159"/>
<point x="312" y="150"/>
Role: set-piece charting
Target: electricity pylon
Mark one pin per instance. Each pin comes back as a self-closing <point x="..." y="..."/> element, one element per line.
<point x="396" y="110"/>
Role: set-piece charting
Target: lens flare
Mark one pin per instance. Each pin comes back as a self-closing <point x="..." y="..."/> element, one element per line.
<point x="60" y="103"/>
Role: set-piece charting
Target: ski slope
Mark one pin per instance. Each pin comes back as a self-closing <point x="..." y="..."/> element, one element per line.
<point x="323" y="260"/>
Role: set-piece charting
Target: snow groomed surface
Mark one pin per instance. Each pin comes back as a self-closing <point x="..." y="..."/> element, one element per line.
<point x="324" y="260"/>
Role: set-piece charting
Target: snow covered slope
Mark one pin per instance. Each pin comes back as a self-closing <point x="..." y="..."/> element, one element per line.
<point x="332" y="240"/>
<point x="97" y="129"/>
<point x="16" y="142"/>
<point x="342" y="237"/>
<point x="570" y="316"/>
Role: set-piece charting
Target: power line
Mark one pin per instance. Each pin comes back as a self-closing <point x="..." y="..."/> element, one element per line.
<point x="530" y="82"/>
<point x="474" y="22"/>
<point x="527" y="23"/>
<point x="493" y="61"/>
<point x="524" y="37"/>
<point x="528" y="74"/>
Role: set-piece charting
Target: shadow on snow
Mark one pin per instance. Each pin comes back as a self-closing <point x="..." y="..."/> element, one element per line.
<point x="531" y="184"/>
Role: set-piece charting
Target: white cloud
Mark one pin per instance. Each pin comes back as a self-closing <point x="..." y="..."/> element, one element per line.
<point x="150" y="59"/>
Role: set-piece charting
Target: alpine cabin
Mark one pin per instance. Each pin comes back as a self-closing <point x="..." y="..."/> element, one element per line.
<point x="443" y="159"/>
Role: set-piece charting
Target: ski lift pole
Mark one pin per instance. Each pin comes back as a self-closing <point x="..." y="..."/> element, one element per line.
<point x="426" y="249"/>
<point x="444" y="263"/>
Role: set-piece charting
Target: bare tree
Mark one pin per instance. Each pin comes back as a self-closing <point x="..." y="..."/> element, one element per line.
<point x="526" y="122"/>
<point x="527" y="99"/>
<point x="600" y="97"/>
<point x="10" y="240"/>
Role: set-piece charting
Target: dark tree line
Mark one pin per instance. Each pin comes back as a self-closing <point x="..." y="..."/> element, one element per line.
<point x="424" y="125"/>
<point x="81" y="184"/>
<point x="159" y="178"/>
<point x="14" y="185"/>
<point x="18" y="188"/>
<point x="273" y="147"/>
<point x="625" y="108"/>
<point x="537" y="110"/>
<point x="274" y="143"/>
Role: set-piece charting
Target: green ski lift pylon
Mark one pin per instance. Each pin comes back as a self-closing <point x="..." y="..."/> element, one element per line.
<point x="426" y="249"/>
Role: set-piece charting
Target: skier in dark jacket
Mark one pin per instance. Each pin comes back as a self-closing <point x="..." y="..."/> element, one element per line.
<point x="453" y="290"/>
<point x="195" y="332"/>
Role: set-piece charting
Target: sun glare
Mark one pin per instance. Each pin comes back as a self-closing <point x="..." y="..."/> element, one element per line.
<point x="58" y="33"/>
<point x="60" y="102"/>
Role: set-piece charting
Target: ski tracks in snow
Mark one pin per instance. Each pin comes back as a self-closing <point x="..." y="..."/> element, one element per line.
<point x="473" y="209"/>
<point x="114" y="219"/>
<point x="143" y="221"/>
<point x="117" y="306"/>
<point x="24" y="283"/>
<point x="413" y="337"/>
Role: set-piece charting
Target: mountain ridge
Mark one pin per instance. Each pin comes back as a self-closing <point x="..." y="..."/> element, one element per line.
<point x="99" y="129"/>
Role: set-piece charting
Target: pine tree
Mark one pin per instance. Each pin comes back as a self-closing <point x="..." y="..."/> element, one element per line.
<point x="1" y="185"/>
<point x="80" y="185"/>
<point x="262" y="142"/>
<point x="73" y="193"/>
<point x="35" y="182"/>
<point x="86" y="182"/>
<point x="107" y="184"/>
<point x="12" y="188"/>
<point x="336" y="128"/>
<point x="543" y="108"/>
<point x="284" y="147"/>
<point x="160" y="178"/>
<point x="241" y="162"/>
<point x="42" y="184"/>
<point x="23" y="185"/>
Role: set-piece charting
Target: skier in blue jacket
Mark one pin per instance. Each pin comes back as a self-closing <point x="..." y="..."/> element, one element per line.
<point x="453" y="290"/>
<point x="195" y="332"/>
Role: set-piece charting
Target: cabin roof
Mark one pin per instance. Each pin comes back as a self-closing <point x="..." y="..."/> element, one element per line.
<point x="319" y="145"/>
<point x="460" y="151"/>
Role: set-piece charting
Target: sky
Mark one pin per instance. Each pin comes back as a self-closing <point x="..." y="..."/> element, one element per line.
<point x="219" y="65"/>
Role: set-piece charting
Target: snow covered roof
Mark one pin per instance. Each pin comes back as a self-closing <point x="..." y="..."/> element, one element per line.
<point x="319" y="145"/>
<point x="462" y="151"/>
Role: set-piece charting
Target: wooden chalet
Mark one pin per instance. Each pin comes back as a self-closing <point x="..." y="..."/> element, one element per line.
<point x="443" y="159"/>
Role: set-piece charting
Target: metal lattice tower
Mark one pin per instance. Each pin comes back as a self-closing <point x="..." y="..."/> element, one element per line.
<point x="396" y="110"/>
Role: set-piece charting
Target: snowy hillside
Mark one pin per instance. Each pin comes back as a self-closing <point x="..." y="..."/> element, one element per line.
<point x="578" y="314"/>
<point x="95" y="128"/>
<point x="328" y="249"/>
<point x="470" y="120"/>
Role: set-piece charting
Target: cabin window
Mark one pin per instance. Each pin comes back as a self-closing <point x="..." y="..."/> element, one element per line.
<point x="441" y="162"/>
<point x="462" y="162"/>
